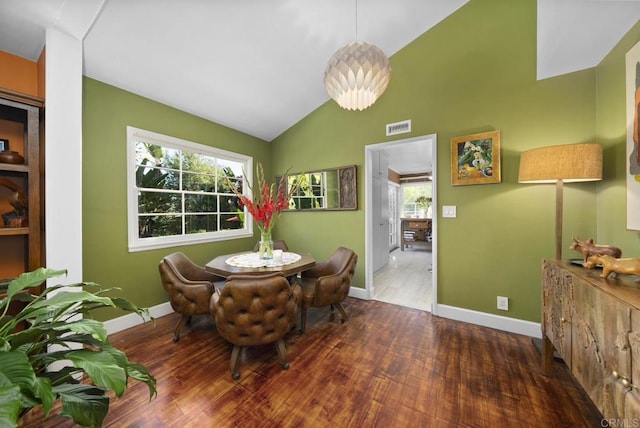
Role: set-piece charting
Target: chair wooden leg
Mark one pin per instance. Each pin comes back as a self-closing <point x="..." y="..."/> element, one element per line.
<point x="233" y="366"/>
<point x="282" y="354"/>
<point x="176" y="333"/>
<point x="303" y="317"/>
<point x="342" y="312"/>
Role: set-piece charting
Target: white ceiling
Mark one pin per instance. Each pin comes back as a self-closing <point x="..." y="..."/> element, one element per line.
<point x="257" y="65"/>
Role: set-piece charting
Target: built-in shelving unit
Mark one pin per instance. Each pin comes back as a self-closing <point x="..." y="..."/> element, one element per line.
<point x="21" y="126"/>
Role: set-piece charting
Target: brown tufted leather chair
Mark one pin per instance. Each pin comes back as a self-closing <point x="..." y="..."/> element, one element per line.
<point x="277" y="245"/>
<point x="189" y="287"/>
<point x="255" y="310"/>
<point x="328" y="283"/>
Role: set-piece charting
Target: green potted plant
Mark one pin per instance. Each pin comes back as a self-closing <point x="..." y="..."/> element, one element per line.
<point x="423" y="202"/>
<point x="52" y="327"/>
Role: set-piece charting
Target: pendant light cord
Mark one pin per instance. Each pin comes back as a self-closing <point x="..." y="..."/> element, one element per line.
<point x="356" y="20"/>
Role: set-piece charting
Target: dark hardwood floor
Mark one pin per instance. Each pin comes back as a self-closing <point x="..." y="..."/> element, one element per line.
<point x="387" y="366"/>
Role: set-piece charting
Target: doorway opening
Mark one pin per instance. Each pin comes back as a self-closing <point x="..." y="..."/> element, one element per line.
<point x="400" y="226"/>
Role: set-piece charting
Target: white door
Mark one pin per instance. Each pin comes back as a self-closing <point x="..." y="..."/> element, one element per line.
<point x="380" y="210"/>
<point x="373" y="201"/>
<point x="393" y="216"/>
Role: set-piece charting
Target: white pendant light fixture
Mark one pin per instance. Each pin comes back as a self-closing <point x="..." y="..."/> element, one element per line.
<point x="357" y="74"/>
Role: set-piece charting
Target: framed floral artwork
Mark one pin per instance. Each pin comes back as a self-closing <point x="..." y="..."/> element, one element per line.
<point x="633" y="137"/>
<point x="475" y="159"/>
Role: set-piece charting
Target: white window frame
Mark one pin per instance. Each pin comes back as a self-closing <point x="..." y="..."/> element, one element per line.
<point x="135" y="243"/>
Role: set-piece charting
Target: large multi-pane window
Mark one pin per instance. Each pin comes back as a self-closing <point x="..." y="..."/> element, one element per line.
<point x="415" y="197"/>
<point x="180" y="192"/>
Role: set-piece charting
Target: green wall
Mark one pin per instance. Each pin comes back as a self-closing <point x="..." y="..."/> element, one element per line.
<point x="611" y="133"/>
<point x="473" y="72"/>
<point x="107" y="113"/>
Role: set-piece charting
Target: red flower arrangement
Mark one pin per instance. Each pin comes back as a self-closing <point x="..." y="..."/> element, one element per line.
<point x="268" y="200"/>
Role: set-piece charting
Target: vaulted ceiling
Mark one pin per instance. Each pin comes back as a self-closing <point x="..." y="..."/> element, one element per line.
<point x="257" y="65"/>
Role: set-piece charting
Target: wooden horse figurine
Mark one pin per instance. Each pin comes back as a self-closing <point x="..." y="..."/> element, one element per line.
<point x="588" y="248"/>
<point x="613" y="265"/>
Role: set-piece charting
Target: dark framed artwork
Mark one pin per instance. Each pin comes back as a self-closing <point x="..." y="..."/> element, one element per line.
<point x="475" y="159"/>
<point x="4" y="144"/>
<point x="348" y="195"/>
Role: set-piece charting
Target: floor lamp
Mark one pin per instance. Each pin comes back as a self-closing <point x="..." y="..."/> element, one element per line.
<point x="567" y="163"/>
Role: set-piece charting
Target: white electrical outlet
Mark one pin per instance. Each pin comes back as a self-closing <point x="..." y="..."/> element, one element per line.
<point x="503" y="303"/>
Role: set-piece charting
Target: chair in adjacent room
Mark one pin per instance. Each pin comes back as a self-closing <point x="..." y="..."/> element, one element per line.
<point x="277" y="245"/>
<point x="189" y="287"/>
<point x="328" y="283"/>
<point x="253" y="310"/>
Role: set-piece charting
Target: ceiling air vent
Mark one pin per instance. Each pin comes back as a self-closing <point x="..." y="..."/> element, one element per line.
<point x="398" y="127"/>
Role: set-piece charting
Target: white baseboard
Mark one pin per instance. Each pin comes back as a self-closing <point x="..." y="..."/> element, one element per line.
<point x="498" y="322"/>
<point x="131" y="320"/>
<point x="124" y="322"/>
<point x="359" y="293"/>
<point x="512" y="325"/>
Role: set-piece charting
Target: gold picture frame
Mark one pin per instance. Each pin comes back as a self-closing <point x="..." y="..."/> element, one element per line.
<point x="475" y="159"/>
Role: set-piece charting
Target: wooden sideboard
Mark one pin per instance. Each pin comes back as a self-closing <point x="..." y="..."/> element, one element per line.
<point x="594" y="324"/>
<point x="415" y="232"/>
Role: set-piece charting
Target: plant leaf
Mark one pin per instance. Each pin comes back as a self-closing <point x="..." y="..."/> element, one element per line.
<point x="135" y="371"/>
<point x="10" y="405"/>
<point x="102" y="368"/>
<point x="130" y="307"/>
<point x="15" y="366"/>
<point x="140" y="373"/>
<point x="119" y="357"/>
<point x="42" y="389"/>
<point x="32" y="279"/>
<point x="64" y="298"/>
<point x="87" y="405"/>
<point x="85" y="326"/>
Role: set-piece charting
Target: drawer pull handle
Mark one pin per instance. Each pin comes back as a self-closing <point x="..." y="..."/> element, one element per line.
<point x="625" y="382"/>
<point x="563" y="319"/>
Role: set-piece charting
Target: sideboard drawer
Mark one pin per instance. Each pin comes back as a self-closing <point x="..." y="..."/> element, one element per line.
<point x="417" y="224"/>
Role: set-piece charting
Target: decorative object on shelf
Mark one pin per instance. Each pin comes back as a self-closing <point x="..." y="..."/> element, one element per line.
<point x="268" y="201"/>
<point x="613" y="265"/>
<point x="588" y="248"/>
<point x="568" y="163"/>
<point x="4" y="144"/>
<point x="28" y="369"/>
<point x="17" y="217"/>
<point x="357" y="74"/>
<point x="475" y="159"/>
<point x="9" y="156"/>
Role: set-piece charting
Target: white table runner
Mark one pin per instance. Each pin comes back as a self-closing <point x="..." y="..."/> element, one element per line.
<point x="252" y="260"/>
